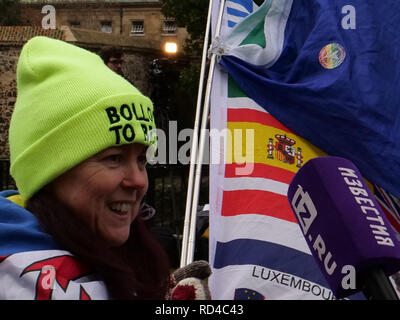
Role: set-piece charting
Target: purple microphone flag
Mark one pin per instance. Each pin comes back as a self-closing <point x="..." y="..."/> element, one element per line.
<point x="344" y="227"/>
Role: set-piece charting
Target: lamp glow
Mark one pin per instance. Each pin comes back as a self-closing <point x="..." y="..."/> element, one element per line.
<point x="171" y="47"/>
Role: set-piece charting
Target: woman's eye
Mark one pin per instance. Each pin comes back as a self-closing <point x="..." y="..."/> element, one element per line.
<point x="114" y="158"/>
<point x="142" y="159"/>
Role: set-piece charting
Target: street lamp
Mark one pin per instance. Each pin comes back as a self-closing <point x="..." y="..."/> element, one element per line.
<point x="171" y="47"/>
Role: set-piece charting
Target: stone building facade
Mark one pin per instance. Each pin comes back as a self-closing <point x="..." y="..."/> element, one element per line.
<point x="137" y="19"/>
<point x="11" y="42"/>
<point x="8" y="62"/>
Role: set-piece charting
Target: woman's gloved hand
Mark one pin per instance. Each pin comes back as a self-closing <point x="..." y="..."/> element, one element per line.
<point x="190" y="282"/>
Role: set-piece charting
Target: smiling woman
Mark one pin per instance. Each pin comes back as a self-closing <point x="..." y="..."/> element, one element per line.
<point x="106" y="190"/>
<point x="81" y="189"/>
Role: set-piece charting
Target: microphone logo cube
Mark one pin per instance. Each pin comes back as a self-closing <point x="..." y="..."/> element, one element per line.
<point x="304" y="209"/>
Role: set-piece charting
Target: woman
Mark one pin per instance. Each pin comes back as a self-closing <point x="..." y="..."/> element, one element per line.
<point x="78" y="144"/>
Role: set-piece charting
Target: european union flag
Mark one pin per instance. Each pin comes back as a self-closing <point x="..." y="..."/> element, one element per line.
<point x="330" y="72"/>
<point x="247" y="294"/>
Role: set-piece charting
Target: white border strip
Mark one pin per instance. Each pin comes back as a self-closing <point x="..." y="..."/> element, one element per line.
<point x="237" y="6"/>
<point x="245" y="103"/>
<point x="264" y="228"/>
<point x="262" y="184"/>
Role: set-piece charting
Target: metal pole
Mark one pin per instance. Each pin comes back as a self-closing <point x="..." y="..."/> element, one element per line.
<point x="206" y="109"/>
<point x="193" y="155"/>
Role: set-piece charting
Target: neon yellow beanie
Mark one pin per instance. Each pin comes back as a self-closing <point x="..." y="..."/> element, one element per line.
<point x="69" y="106"/>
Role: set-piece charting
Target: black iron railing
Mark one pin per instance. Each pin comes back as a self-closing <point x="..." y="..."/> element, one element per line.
<point x="6" y="181"/>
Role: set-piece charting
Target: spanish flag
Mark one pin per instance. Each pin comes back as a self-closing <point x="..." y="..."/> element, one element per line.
<point x="275" y="154"/>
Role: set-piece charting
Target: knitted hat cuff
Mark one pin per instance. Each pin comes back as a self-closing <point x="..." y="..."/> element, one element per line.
<point x="111" y="121"/>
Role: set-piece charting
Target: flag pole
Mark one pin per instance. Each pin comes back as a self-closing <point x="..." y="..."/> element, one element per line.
<point x="199" y="162"/>
<point x="193" y="155"/>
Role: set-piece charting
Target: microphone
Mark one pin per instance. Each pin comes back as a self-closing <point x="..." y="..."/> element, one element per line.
<point x="348" y="234"/>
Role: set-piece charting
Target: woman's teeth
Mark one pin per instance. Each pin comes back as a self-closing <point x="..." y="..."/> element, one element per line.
<point x="121" y="207"/>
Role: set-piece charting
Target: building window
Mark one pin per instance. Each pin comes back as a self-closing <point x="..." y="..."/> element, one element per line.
<point x="74" y="24"/>
<point x="137" y="27"/>
<point x="106" y="26"/>
<point x="169" y="27"/>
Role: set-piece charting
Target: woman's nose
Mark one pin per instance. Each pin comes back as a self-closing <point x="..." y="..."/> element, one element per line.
<point x="135" y="176"/>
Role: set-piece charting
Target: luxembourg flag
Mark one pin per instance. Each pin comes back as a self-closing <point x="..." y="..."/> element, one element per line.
<point x="32" y="265"/>
<point x="257" y="250"/>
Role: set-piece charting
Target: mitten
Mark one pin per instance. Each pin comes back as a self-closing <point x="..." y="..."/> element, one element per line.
<point x="190" y="282"/>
